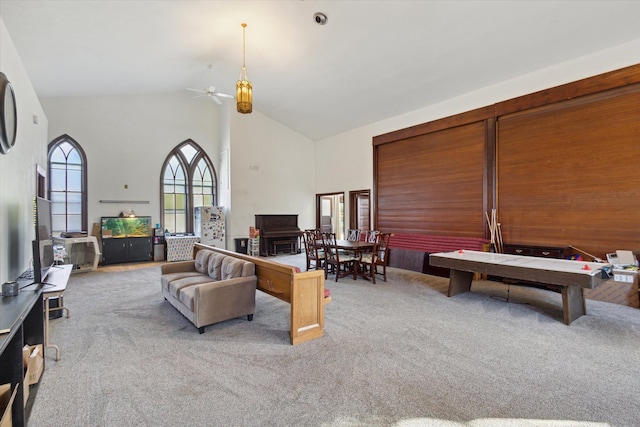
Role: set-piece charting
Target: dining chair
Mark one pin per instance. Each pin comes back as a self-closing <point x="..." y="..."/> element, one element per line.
<point x="370" y="261"/>
<point x="371" y="236"/>
<point x="313" y="250"/>
<point x="353" y="235"/>
<point x="341" y="264"/>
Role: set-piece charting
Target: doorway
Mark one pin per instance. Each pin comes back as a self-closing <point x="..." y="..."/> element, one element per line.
<point x="330" y="213"/>
<point x="360" y="210"/>
<point x="41" y="182"/>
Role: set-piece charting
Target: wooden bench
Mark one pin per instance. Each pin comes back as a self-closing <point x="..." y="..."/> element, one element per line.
<point x="304" y="291"/>
<point x="290" y="243"/>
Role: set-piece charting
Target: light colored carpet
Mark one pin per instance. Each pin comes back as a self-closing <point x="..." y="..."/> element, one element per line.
<point x="397" y="353"/>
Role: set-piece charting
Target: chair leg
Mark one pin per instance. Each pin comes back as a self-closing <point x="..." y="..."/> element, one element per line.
<point x="250" y="317"/>
<point x="201" y="329"/>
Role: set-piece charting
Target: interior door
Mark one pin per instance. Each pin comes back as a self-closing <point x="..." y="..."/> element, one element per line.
<point x="330" y="213"/>
<point x="326" y="223"/>
<point x="360" y="210"/>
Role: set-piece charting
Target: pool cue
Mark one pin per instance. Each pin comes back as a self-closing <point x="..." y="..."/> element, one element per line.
<point x="491" y="233"/>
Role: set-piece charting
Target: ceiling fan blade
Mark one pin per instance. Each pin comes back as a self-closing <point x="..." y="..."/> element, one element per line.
<point x="199" y="96"/>
<point x="196" y="90"/>
<point x="216" y="100"/>
<point x="224" y="95"/>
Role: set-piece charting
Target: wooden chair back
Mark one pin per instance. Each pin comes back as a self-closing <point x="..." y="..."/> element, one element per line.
<point x="353" y="235"/>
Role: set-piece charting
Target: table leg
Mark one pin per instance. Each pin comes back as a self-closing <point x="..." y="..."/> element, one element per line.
<point x="61" y="307"/>
<point x="573" y="304"/>
<point x="46" y="329"/>
<point x="459" y="282"/>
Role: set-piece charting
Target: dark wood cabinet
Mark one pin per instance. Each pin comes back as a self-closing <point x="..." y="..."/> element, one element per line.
<point x="126" y="249"/>
<point x="560" y="252"/>
<point x="539" y="251"/>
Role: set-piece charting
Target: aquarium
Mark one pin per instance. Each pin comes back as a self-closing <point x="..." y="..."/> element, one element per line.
<point x="115" y="226"/>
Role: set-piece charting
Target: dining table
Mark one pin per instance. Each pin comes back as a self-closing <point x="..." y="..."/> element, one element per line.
<point x="355" y="246"/>
<point x="350" y="245"/>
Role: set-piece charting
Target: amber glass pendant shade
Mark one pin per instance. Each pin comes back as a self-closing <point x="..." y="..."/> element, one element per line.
<point x="244" y="90"/>
<point x="244" y="95"/>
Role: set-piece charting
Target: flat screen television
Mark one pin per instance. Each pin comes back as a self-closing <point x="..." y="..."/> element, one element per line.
<point x="43" y="244"/>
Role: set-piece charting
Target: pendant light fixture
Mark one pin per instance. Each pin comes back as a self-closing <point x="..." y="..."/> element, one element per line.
<point x="244" y="91"/>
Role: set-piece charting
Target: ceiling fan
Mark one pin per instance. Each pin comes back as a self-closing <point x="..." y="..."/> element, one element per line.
<point x="211" y="91"/>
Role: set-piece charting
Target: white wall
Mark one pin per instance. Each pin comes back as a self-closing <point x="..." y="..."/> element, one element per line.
<point x="18" y="167"/>
<point x="272" y="172"/>
<point x="352" y="152"/>
<point x="127" y="139"/>
<point x="272" y="169"/>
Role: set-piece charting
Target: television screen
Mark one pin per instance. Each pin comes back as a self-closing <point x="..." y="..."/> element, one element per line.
<point x="43" y="244"/>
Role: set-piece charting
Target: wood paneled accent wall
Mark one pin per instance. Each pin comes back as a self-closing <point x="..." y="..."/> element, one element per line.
<point x="561" y="166"/>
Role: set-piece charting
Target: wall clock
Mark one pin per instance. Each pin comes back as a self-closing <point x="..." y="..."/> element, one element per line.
<point x="8" y="116"/>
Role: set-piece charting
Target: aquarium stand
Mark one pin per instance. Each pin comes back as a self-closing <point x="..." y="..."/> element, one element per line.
<point x="126" y="239"/>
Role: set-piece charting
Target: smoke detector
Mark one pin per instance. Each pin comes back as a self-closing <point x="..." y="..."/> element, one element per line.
<point x="320" y="18"/>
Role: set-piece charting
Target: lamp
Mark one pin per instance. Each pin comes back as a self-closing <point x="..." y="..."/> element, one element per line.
<point x="244" y="91"/>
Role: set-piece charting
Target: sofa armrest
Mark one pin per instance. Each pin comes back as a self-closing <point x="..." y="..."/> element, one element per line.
<point x="178" y="267"/>
<point x="224" y="299"/>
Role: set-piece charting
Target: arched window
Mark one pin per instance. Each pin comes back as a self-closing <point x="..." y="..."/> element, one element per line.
<point x="188" y="179"/>
<point x="67" y="164"/>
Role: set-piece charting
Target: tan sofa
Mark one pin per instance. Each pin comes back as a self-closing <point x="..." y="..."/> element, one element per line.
<point x="304" y="291"/>
<point x="212" y="288"/>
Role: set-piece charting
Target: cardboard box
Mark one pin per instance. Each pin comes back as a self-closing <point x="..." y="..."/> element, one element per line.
<point x="35" y="364"/>
<point x="96" y="230"/>
<point x="33" y="360"/>
<point x="25" y="394"/>
<point x="26" y="352"/>
<point x="7" y="397"/>
<point x="624" y="276"/>
<point x="621" y="289"/>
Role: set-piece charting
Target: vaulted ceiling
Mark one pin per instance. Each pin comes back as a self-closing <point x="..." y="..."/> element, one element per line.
<point x="372" y="59"/>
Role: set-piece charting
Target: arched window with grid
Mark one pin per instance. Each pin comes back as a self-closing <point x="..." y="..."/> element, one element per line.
<point x="188" y="180"/>
<point x="67" y="170"/>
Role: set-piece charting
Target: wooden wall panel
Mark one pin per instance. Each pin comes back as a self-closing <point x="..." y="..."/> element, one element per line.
<point x="433" y="183"/>
<point x="562" y="166"/>
<point x="569" y="173"/>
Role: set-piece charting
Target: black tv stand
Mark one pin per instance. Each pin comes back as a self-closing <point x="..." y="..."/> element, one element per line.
<point x="22" y="315"/>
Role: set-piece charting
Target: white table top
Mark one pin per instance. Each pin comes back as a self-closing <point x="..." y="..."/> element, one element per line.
<point x="56" y="280"/>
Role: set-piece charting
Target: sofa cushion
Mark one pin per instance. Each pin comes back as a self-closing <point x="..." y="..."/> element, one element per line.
<point x="215" y="266"/>
<point x="176" y="287"/>
<point x="231" y="267"/>
<point x="166" y="279"/>
<point x="187" y="296"/>
<point x="248" y="269"/>
<point x="234" y="267"/>
<point x="202" y="261"/>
